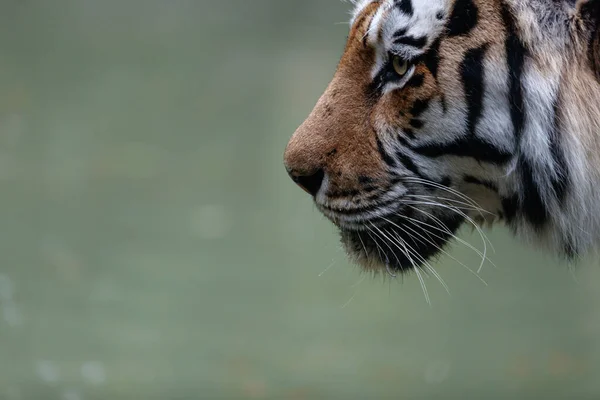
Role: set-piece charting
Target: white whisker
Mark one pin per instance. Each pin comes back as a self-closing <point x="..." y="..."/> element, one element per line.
<point x="328" y="268"/>
<point x="387" y="264"/>
<point x="469" y="206"/>
<point x="437" y="246"/>
<point x="355" y="292"/>
<point x="415" y="266"/>
<point x="424" y="287"/>
<point x="387" y="261"/>
<point x="429" y="267"/>
<point x="484" y="238"/>
<point x="444" y="188"/>
<point x="445" y="230"/>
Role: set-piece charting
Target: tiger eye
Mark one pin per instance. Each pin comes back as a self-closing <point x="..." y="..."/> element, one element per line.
<point x="400" y="65"/>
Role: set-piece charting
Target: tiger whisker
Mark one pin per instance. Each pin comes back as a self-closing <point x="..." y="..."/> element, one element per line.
<point x="458" y="211"/>
<point x="481" y="211"/>
<point x="363" y="244"/>
<point x="484" y="238"/>
<point x="483" y="255"/>
<point x="423" y="285"/>
<point x="416" y="268"/>
<point x="387" y="264"/>
<point x="328" y="268"/>
<point x="425" y="263"/>
<point x="356" y="285"/>
<point x="445" y="230"/>
<point x="444" y="188"/>
<point x="416" y="232"/>
<point x="387" y="260"/>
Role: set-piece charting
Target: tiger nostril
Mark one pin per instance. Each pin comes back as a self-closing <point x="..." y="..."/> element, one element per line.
<point x="311" y="183"/>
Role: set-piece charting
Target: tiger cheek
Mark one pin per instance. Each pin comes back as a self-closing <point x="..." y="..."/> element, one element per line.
<point x="391" y="111"/>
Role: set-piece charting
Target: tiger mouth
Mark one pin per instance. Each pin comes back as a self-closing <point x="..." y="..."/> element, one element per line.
<point x="399" y="245"/>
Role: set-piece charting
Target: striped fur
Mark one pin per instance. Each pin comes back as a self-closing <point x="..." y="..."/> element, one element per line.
<point x="500" y="107"/>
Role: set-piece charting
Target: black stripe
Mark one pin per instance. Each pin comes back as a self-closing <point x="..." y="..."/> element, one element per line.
<point x="533" y="206"/>
<point x="515" y="57"/>
<point x="384" y="155"/>
<point x="409" y="132"/>
<point x="416" y="81"/>
<point x="476" y="181"/>
<point x="412" y="41"/>
<point x="432" y="58"/>
<point x="473" y="75"/>
<point x="408" y="163"/>
<point x="443" y="103"/>
<point x="365" y="180"/>
<point x="510" y="206"/>
<point x="400" y="32"/>
<point x="472" y="147"/>
<point x="561" y="180"/>
<point x="463" y="19"/>
<point x="416" y="123"/>
<point x="405" y="6"/>
<point x="446" y="181"/>
<point x="419" y="107"/>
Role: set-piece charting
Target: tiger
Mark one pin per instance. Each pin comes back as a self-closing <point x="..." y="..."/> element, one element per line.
<point x="443" y="113"/>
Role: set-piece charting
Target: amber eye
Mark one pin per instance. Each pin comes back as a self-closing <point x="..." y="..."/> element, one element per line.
<point x="400" y="65"/>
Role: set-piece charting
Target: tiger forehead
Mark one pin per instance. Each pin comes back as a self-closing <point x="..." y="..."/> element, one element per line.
<point x="404" y="27"/>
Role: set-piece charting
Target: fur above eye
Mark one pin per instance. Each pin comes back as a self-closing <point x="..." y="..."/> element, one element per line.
<point x="400" y="65"/>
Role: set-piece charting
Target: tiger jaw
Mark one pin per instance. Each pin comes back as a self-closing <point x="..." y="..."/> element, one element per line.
<point x="399" y="245"/>
<point x="401" y="234"/>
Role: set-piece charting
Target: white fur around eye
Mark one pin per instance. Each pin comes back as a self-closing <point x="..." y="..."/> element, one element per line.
<point x="391" y="86"/>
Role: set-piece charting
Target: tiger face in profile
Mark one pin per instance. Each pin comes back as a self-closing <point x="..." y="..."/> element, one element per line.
<point x="445" y="112"/>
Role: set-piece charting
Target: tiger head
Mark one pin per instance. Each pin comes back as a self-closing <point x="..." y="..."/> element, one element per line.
<point x="445" y="112"/>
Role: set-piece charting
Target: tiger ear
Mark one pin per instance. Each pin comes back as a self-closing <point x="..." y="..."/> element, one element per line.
<point x="588" y="12"/>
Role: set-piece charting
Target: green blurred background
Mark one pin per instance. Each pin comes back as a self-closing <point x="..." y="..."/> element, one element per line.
<point x="154" y="248"/>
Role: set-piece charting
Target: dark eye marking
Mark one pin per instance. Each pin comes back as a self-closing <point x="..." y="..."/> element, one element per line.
<point x="400" y="32"/>
<point x="416" y="81"/>
<point x="418" y="42"/>
<point x="405" y="6"/>
<point x="387" y="74"/>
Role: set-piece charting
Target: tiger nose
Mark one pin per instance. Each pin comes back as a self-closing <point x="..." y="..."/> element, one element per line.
<point x="309" y="182"/>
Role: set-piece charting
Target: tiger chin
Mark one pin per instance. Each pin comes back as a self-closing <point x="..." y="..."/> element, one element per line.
<point x="450" y="112"/>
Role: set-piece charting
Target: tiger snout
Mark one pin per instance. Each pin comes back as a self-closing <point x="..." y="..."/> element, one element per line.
<point x="333" y="156"/>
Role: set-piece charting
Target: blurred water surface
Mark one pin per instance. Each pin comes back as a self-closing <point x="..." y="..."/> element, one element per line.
<point x="153" y="247"/>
